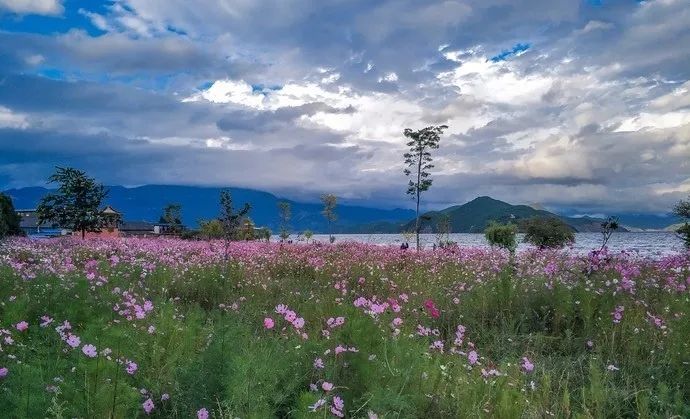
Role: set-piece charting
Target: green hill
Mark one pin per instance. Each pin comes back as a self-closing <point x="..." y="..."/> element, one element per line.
<point x="475" y="215"/>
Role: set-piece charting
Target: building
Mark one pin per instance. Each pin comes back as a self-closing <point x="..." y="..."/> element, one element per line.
<point x="30" y="225"/>
<point x="114" y="226"/>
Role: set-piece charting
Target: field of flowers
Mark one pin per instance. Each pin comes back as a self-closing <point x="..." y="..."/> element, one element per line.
<point x="167" y="328"/>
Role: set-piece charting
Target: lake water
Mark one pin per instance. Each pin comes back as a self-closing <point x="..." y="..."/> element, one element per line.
<point x="651" y="244"/>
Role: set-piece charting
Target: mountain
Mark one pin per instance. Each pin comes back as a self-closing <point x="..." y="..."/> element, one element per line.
<point x="475" y="215"/>
<point x="198" y="203"/>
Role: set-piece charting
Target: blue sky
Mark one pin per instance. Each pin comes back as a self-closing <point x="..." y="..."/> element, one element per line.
<point x="577" y="105"/>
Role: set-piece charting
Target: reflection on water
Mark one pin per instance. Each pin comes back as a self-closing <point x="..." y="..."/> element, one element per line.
<point x="646" y="244"/>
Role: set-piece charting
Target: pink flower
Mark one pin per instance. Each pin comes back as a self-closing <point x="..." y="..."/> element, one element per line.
<point x="326" y="386"/>
<point x="318" y="363"/>
<point x="269" y="323"/>
<point x="527" y="365"/>
<point x="431" y="309"/>
<point x="22" y="326"/>
<point x="3" y="372"/>
<point x="472" y="357"/>
<point x="202" y="413"/>
<point x="90" y="351"/>
<point x="148" y="406"/>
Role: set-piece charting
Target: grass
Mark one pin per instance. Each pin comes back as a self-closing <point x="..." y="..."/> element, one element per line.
<point x="195" y="329"/>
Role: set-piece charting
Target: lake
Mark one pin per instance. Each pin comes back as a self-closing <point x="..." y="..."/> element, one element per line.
<point x="644" y="243"/>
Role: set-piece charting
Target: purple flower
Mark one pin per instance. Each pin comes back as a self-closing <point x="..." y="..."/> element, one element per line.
<point x="326" y="386"/>
<point x="202" y="413"/>
<point x="131" y="367"/>
<point x="22" y="326"/>
<point x="527" y="365"/>
<point x="89" y="350"/>
<point x="472" y="357"/>
<point x="268" y="323"/>
<point x="165" y="396"/>
<point x="3" y="372"/>
<point x="73" y="340"/>
<point x="148" y="406"/>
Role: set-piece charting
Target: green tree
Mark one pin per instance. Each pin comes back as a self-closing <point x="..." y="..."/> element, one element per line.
<point x="419" y="161"/>
<point x="548" y="232"/>
<point x="329" y="203"/>
<point x="682" y="210"/>
<point x="229" y="219"/>
<point x="308" y="234"/>
<point x="608" y="227"/>
<point x="211" y="229"/>
<point x="76" y="204"/>
<point x="172" y="215"/>
<point x="443" y="230"/>
<point x="502" y="235"/>
<point x="285" y="213"/>
<point x="9" y="220"/>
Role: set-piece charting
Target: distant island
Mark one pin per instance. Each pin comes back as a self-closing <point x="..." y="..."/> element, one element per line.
<point x="145" y="203"/>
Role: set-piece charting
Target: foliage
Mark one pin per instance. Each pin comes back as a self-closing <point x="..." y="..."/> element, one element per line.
<point x="608" y="227"/>
<point x="418" y="162"/>
<point x="547" y="232"/>
<point x="443" y="230"/>
<point x="308" y="234"/>
<point x="682" y="209"/>
<point x="285" y="214"/>
<point x="116" y="327"/>
<point x="211" y="229"/>
<point x="329" y="203"/>
<point x="77" y="203"/>
<point x="172" y="215"/>
<point x="9" y="220"/>
<point x="502" y="235"/>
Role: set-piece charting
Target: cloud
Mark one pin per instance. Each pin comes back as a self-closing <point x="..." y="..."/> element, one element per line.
<point x="303" y="97"/>
<point x="29" y="7"/>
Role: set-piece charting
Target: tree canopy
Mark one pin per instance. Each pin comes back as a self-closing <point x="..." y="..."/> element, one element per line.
<point x="9" y="220"/>
<point x="76" y="204"/>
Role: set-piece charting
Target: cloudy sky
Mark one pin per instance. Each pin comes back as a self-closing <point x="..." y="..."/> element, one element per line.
<point x="582" y="106"/>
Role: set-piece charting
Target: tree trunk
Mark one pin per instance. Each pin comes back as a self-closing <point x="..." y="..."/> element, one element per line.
<point x="419" y="179"/>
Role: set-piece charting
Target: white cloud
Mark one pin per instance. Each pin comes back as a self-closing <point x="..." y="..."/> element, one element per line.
<point x="494" y="82"/>
<point x="35" y="7"/>
<point x="9" y="119"/>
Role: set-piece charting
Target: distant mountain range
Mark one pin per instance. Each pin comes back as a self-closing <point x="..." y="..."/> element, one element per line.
<point x="474" y="216"/>
<point x="145" y="203"/>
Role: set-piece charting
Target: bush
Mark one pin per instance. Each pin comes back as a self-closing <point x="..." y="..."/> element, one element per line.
<point x="211" y="229"/>
<point x="502" y="235"/>
<point x="682" y="209"/>
<point x="548" y="232"/>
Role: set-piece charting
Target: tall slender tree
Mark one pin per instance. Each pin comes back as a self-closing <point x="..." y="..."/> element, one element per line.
<point x="76" y="204"/>
<point x="285" y="213"/>
<point x="329" y="203"/>
<point x="419" y="161"/>
<point x="230" y="221"/>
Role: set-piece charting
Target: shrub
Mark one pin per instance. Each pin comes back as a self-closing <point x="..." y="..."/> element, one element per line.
<point x="548" y="232"/>
<point x="502" y="235"/>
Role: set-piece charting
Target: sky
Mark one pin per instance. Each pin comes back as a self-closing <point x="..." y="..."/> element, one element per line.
<point x="580" y="106"/>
